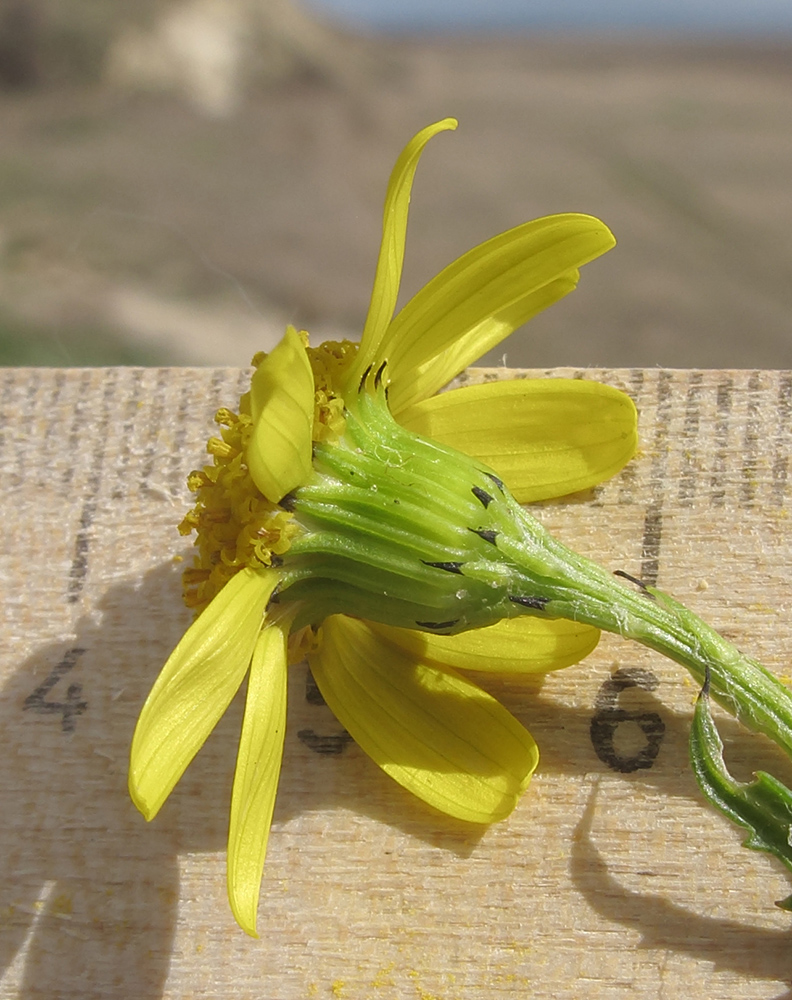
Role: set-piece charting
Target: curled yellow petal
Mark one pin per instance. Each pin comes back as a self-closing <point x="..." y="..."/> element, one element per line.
<point x="436" y="733"/>
<point x="282" y="407"/>
<point x="256" y="776"/>
<point x="482" y="297"/>
<point x="544" y="437"/>
<point x="195" y="687"/>
<point x="512" y="646"/>
<point x="391" y="255"/>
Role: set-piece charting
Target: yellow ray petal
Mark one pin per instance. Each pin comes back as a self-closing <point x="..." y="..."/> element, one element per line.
<point x="436" y="733"/>
<point x="513" y="646"/>
<point x="391" y="256"/>
<point x="256" y="776"/>
<point x="432" y="375"/>
<point x="544" y="437"/>
<point x="195" y="687"/>
<point x="282" y="407"/>
<point x="479" y="299"/>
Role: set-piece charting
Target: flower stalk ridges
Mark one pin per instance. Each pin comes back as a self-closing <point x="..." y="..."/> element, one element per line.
<point x="400" y="530"/>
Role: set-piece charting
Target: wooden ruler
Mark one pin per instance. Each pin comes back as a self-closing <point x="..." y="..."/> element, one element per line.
<point x="612" y="878"/>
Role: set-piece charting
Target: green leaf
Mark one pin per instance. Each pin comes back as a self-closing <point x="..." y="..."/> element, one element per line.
<point x="762" y="806"/>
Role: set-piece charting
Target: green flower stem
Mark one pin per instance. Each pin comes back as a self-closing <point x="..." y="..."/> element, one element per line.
<point x="402" y="530"/>
<point x="579" y="589"/>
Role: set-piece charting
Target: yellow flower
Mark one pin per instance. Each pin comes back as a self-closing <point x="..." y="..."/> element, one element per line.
<point x="349" y="517"/>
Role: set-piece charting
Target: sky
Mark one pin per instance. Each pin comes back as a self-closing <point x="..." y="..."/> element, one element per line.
<point x="710" y="16"/>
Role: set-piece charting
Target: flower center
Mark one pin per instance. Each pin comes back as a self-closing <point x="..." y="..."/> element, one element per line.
<point x="389" y="526"/>
<point x="236" y="525"/>
<point x="329" y="363"/>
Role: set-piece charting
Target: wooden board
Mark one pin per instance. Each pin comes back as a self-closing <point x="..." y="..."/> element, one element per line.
<point x="604" y="883"/>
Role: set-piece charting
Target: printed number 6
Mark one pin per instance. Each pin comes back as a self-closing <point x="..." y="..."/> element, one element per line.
<point x="608" y="717"/>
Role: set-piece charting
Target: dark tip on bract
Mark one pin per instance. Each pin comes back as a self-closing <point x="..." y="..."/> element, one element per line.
<point x="488" y="534"/>
<point x="378" y="375"/>
<point x="449" y="567"/>
<point x="484" y="498"/>
<point x="437" y="625"/>
<point x="363" y="378"/>
<point x="494" y="478"/>
<point x="636" y="581"/>
<point x="288" y="502"/>
<point x="537" y="603"/>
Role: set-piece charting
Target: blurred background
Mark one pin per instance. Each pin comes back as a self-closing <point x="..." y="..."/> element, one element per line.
<point x="181" y="178"/>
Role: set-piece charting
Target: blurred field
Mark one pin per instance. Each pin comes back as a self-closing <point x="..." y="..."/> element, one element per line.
<point x="134" y="227"/>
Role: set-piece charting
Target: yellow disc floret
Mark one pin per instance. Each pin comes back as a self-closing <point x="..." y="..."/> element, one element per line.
<point x="235" y="524"/>
<point x="329" y="362"/>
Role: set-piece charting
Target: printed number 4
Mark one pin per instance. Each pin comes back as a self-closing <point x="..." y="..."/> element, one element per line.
<point x="68" y="709"/>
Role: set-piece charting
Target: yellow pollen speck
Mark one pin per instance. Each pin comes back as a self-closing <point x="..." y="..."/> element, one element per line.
<point x="384" y="977"/>
<point x="61" y="906"/>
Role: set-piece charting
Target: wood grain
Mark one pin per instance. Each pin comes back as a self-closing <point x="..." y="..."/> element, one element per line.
<point x="604" y="883"/>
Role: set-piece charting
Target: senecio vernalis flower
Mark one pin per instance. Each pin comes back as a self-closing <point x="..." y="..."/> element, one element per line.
<point x="354" y="518"/>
